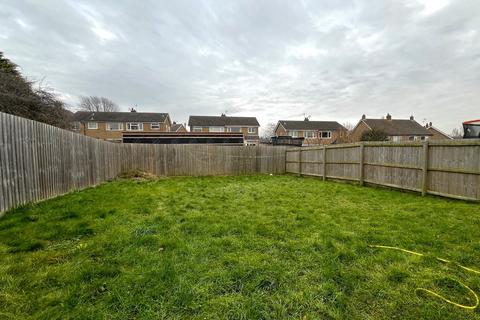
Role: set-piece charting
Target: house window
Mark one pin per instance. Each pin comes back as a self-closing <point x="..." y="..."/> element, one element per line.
<point x="293" y="133"/>
<point x="412" y="138"/>
<point x="325" y="134"/>
<point x="76" y="125"/>
<point x="155" y="126"/>
<point x="309" y="134"/>
<point x="93" y="125"/>
<point x="135" y="126"/>
<point x="395" y="138"/>
<point x="216" y="129"/>
<point x="251" y="130"/>
<point x="233" y="129"/>
<point x="114" y="126"/>
<point x="197" y="129"/>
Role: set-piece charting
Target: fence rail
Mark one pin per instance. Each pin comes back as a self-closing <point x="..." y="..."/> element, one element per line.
<point x="445" y="168"/>
<point x="38" y="161"/>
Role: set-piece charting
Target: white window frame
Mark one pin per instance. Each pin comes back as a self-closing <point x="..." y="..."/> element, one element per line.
<point x="216" y="129"/>
<point x="293" y="133"/>
<point x="237" y="129"/>
<point x="396" y="138"/>
<point x="92" y="125"/>
<point x="109" y="128"/>
<point x="252" y="130"/>
<point x="155" y="126"/>
<point x="138" y="124"/>
<point x="309" y="134"/>
<point x="197" y="129"/>
<point x="329" y="134"/>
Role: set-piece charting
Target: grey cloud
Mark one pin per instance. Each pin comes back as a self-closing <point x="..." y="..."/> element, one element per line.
<point x="273" y="59"/>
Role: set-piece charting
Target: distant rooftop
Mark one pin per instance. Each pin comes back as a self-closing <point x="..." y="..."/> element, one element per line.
<point x="310" y="125"/>
<point x="397" y="127"/>
<point x="222" y="121"/>
<point x="119" y="116"/>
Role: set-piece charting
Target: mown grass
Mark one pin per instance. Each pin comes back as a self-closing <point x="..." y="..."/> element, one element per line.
<point x="252" y="247"/>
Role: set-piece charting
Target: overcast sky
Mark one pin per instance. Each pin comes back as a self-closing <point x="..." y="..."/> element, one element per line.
<point x="333" y="59"/>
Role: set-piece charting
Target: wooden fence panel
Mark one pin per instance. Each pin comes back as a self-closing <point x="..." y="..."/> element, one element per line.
<point x="38" y="161"/>
<point x="446" y="168"/>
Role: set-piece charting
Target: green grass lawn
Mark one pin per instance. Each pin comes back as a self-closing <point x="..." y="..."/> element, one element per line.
<point x="251" y="247"/>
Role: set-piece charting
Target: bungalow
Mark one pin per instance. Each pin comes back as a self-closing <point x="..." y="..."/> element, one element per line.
<point x="313" y="132"/>
<point x="226" y="124"/>
<point x="395" y="129"/>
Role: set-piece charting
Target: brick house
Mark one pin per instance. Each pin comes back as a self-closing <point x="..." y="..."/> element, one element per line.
<point x="437" y="134"/>
<point x="396" y="129"/>
<point x="225" y="124"/>
<point x="110" y="126"/>
<point x="313" y="132"/>
<point x="178" y="127"/>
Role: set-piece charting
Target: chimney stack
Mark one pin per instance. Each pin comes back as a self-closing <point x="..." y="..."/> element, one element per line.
<point x="364" y="117"/>
<point x="389" y="116"/>
<point x="411" y="118"/>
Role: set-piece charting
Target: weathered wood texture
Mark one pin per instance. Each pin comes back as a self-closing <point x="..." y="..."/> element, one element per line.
<point x="38" y="161"/>
<point x="445" y="168"/>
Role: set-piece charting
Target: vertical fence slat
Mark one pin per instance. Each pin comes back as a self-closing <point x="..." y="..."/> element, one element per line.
<point x="38" y="161"/>
<point x="425" y="168"/>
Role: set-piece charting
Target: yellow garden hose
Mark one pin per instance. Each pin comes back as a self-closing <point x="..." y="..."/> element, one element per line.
<point x="432" y="292"/>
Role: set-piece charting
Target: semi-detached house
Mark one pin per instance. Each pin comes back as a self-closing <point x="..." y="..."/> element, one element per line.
<point x="110" y="126"/>
<point x="225" y="124"/>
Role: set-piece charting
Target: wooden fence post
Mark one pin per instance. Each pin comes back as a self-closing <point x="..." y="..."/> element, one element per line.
<point x="324" y="163"/>
<point x="300" y="161"/>
<point x="425" y="168"/>
<point x="362" y="150"/>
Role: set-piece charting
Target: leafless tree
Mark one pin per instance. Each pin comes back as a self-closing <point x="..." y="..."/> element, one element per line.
<point x="348" y="125"/>
<point x="97" y="104"/>
<point x="268" y="131"/>
<point x="457" y="133"/>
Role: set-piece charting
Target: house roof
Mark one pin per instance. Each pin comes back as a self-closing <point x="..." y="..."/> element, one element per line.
<point x="397" y="127"/>
<point x="310" y="125"/>
<point x="440" y="132"/>
<point x="221" y="121"/>
<point x="120" y="116"/>
<point x="175" y="127"/>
